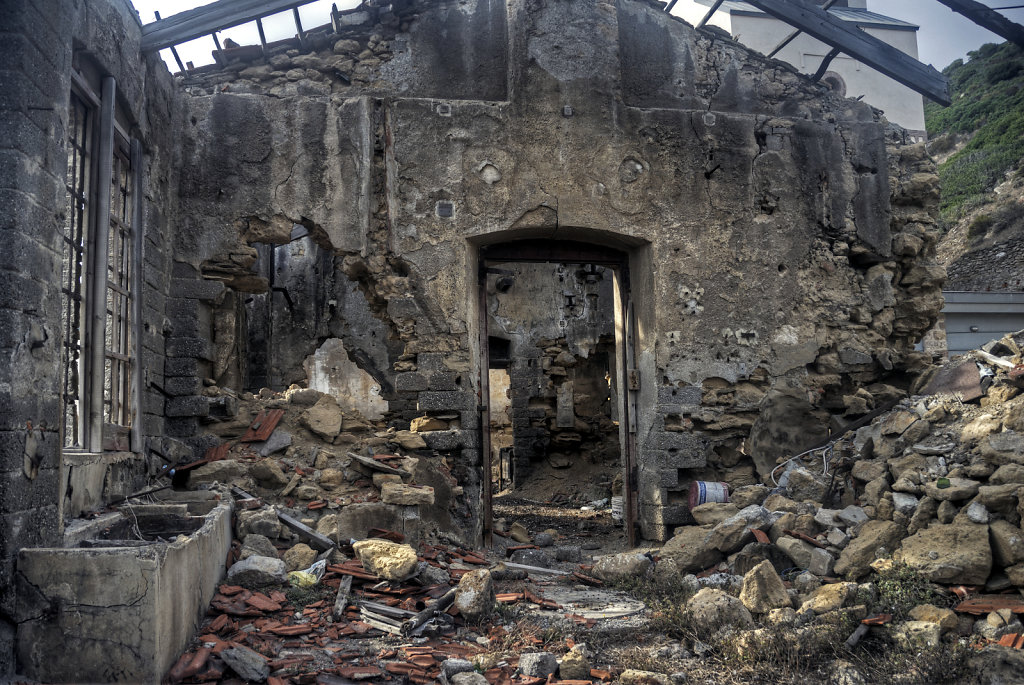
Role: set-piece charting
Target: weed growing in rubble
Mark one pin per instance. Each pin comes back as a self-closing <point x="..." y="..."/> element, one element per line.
<point x="299" y="597"/>
<point x="665" y="599"/>
<point x="902" y="588"/>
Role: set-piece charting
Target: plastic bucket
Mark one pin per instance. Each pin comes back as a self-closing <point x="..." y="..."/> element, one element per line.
<point x="703" y="491"/>
<point x="617" y="508"/>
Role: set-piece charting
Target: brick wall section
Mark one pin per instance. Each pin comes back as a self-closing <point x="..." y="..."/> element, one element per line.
<point x="35" y="58"/>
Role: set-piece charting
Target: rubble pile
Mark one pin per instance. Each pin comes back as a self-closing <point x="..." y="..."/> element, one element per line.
<point x="334" y="578"/>
<point x="932" y="488"/>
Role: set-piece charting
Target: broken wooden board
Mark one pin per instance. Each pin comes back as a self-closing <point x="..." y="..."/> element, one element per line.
<point x="317" y="540"/>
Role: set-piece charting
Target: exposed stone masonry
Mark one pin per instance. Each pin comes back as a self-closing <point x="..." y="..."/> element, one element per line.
<point x="780" y="240"/>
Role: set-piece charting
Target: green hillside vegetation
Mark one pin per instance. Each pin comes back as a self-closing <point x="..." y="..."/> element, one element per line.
<point x="986" y="123"/>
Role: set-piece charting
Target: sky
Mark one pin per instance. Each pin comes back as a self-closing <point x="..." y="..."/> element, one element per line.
<point x="944" y="36"/>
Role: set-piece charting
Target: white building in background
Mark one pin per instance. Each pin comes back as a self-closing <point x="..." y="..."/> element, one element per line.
<point x="763" y="32"/>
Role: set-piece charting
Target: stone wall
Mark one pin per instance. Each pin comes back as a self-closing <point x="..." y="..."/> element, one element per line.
<point x="43" y="41"/>
<point x="780" y="238"/>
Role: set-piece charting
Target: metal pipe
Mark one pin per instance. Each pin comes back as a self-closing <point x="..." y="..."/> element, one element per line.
<point x="101" y="244"/>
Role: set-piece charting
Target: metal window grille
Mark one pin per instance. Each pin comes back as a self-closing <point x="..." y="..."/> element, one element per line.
<point x="118" y="337"/>
<point x="98" y="279"/>
<point x="73" y="268"/>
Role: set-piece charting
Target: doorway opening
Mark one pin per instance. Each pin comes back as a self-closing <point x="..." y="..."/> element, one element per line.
<point x="557" y="354"/>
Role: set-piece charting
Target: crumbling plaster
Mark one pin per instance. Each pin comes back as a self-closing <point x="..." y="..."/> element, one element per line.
<point x="773" y="228"/>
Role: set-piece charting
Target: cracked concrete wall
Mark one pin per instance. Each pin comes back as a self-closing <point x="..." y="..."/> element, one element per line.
<point x="780" y="238"/>
<point x="43" y="42"/>
<point x="118" y="613"/>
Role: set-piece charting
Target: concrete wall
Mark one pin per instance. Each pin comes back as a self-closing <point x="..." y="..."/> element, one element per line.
<point x="776" y="232"/>
<point x="42" y="42"/>
<point x="118" y="613"/>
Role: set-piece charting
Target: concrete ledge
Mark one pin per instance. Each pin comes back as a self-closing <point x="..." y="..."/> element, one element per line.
<point x="118" y="613"/>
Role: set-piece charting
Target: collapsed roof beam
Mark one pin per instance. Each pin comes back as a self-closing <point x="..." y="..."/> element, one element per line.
<point x="201" y="21"/>
<point x="862" y="46"/>
<point x="988" y="18"/>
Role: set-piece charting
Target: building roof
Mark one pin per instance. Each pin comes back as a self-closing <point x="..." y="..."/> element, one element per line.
<point x="861" y="17"/>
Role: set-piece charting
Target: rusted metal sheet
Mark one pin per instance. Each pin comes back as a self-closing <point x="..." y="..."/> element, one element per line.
<point x="263" y="425"/>
<point x="988" y="603"/>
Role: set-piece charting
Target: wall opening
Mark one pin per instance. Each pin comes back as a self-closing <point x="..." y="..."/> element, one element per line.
<point x="556" y="449"/>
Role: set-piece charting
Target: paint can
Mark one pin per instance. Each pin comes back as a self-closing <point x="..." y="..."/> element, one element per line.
<point x="617" y="507"/>
<point x="702" y="492"/>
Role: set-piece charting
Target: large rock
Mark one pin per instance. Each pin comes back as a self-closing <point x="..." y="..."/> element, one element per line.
<point x="804" y="486"/>
<point x="406" y="495"/>
<point x="831" y="597"/>
<point x="713" y="609"/>
<point x="256" y="545"/>
<point x="946" y="619"/>
<point x="1007" y="473"/>
<point x="763" y="589"/>
<point x="575" y="665"/>
<point x="713" y="513"/>
<point x="621" y="566"/>
<point x="268" y="473"/>
<point x="797" y="550"/>
<point x="949" y="553"/>
<point x="221" y="471"/>
<point x="256" y="571"/>
<point x="1004" y="448"/>
<point x="260" y="522"/>
<point x="408" y="440"/>
<point x="388" y="560"/>
<point x="299" y="557"/>
<point x="1007" y="541"/>
<point x="324" y="418"/>
<point x="689" y="551"/>
<point x="733" y="533"/>
<point x="474" y="596"/>
<point x="862" y="550"/>
<point x="959" y="489"/>
<point x="538" y="664"/>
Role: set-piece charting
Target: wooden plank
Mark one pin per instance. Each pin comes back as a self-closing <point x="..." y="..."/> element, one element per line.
<point x="877" y="54"/>
<point x="988" y="18"/>
<point x="201" y="21"/>
<point x="319" y="541"/>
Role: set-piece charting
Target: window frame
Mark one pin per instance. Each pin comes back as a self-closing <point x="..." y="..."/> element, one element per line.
<point x="102" y="404"/>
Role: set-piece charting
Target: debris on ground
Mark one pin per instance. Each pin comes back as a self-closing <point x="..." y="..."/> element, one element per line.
<point x="902" y="534"/>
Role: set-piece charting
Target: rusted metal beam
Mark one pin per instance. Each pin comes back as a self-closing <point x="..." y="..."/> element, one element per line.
<point x="988" y="18"/>
<point x="216" y="16"/>
<point x="862" y="46"/>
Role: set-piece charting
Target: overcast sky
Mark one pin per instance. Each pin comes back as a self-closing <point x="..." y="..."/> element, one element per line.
<point x="944" y="35"/>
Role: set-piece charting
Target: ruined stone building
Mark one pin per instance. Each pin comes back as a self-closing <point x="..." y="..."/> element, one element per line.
<point x="677" y="251"/>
